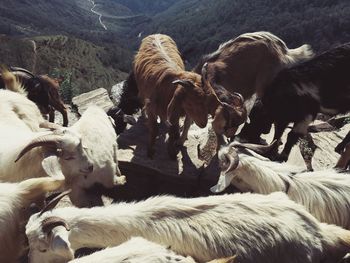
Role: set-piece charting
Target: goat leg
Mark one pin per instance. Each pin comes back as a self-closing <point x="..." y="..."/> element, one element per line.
<point x="187" y="124"/>
<point x="153" y="131"/>
<point x="174" y="137"/>
<point x="300" y="129"/>
<point x="51" y="115"/>
<point x="340" y="147"/>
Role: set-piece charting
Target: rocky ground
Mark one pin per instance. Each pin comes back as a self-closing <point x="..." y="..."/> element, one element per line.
<point x="191" y="175"/>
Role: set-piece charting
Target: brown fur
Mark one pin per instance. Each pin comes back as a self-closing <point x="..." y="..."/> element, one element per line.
<point x="46" y="95"/>
<point x="15" y="212"/>
<point x="156" y="65"/>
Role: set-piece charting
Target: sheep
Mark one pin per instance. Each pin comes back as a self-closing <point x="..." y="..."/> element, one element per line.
<point x="168" y="91"/>
<point x="42" y="90"/>
<point x="253" y="227"/>
<point x="27" y="150"/>
<point x="247" y="64"/>
<point x="325" y="194"/>
<point x="15" y="210"/>
<point x="320" y="85"/>
<point x="137" y="250"/>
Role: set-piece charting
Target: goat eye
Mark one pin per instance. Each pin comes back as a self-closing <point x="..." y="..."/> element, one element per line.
<point x="69" y="158"/>
<point x="85" y="176"/>
<point x="43" y="250"/>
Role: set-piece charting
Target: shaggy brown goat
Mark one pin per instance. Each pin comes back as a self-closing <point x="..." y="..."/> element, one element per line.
<point x="168" y="91"/>
<point x="42" y="90"/>
<point x="247" y="64"/>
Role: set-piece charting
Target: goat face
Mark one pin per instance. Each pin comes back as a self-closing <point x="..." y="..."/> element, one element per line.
<point x="48" y="243"/>
<point x="190" y="97"/>
<point x="228" y="118"/>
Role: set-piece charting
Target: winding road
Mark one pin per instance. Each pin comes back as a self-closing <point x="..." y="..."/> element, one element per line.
<point x="97" y="13"/>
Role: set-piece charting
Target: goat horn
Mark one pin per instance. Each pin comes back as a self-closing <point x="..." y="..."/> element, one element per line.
<point x="233" y="158"/>
<point x="51" y="205"/>
<point x="258" y="148"/>
<point x="51" y="222"/>
<point x="183" y="82"/>
<point x="45" y="140"/>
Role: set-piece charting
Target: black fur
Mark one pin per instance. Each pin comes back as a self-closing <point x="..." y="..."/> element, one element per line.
<point x="302" y="90"/>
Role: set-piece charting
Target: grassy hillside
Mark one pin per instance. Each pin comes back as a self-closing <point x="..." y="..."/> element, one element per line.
<point x="87" y="66"/>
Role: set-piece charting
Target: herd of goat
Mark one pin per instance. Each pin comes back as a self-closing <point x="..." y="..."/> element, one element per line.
<point x="284" y="213"/>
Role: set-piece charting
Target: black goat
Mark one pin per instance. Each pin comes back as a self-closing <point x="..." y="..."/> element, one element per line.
<point x="297" y="94"/>
<point x="129" y="104"/>
<point x="42" y="90"/>
<point x="120" y="119"/>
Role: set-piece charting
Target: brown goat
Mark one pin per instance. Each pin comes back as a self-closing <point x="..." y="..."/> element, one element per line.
<point x="168" y="91"/>
<point x="247" y="64"/>
<point x="43" y="91"/>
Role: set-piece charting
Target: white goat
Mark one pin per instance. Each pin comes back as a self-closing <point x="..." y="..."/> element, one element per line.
<point x="256" y="228"/>
<point x="325" y="194"/>
<point x="140" y="250"/>
<point x="98" y="136"/>
<point x="15" y="201"/>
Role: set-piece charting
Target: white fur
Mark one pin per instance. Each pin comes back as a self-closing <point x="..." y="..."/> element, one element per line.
<point x="100" y="143"/>
<point x="325" y="194"/>
<point x="256" y="228"/>
<point x="15" y="200"/>
<point x="136" y="250"/>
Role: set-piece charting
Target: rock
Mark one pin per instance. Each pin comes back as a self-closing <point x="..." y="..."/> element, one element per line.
<point x="98" y="97"/>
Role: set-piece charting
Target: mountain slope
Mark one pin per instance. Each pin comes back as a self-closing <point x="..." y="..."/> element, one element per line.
<point x="88" y="66"/>
<point x="199" y="26"/>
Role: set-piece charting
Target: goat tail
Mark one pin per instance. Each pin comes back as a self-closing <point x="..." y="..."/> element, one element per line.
<point x="11" y="82"/>
<point x="337" y="242"/>
<point x="299" y="54"/>
<point x="35" y="188"/>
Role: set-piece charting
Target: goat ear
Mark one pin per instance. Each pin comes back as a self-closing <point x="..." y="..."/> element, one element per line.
<point x="52" y="167"/>
<point x="174" y="107"/>
<point x="60" y="242"/>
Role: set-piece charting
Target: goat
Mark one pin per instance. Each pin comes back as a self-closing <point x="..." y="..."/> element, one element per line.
<point x="125" y="96"/>
<point x="120" y="119"/>
<point x="42" y="90"/>
<point x="255" y="228"/>
<point x="320" y="85"/>
<point x="27" y="150"/>
<point x="343" y="148"/>
<point x="99" y="138"/>
<point x="168" y="91"/>
<point x="247" y="64"/>
<point x="137" y="250"/>
<point x="16" y="200"/>
<point x="325" y="194"/>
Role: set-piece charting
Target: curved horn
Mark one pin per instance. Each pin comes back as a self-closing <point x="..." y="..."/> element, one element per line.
<point x="183" y="82"/>
<point x="233" y="158"/>
<point x="51" y="205"/>
<point x="45" y="140"/>
<point x="22" y="70"/>
<point x="258" y="148"/>
<point x="51" y="222"/>
<point x="204" y="71"/>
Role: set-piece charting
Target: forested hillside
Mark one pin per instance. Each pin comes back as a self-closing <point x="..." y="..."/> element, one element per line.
<point x="199" y="26"/>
